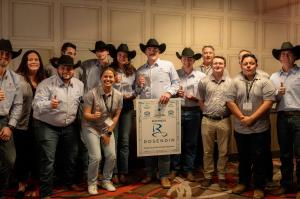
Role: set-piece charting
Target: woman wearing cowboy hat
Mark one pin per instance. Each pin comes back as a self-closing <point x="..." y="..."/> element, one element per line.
<point x="287" y="82"/>
<point x="125" y="78"/>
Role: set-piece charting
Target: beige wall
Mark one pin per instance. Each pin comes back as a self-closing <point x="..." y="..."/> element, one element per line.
<point x="228" y="25"/>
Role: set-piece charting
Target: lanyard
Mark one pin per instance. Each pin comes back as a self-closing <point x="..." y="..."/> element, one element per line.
<point x="249" y="89"/>
<point x="111" y="103"/>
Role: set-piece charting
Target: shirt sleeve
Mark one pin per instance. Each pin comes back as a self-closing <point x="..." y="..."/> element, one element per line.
<point x="16" y="109"/>
<point x="42" y="99"/>
<point x="269" y="90"/>
<point x="174" y="81"/>
<point x="232" y="92"/>
<point x="201" y="90"/>
<point x="88" y="99"/>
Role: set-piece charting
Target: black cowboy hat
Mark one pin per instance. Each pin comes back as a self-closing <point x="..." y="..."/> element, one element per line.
<point x="188" y="52"/>
<point x="124" y="48"/>
<point x="100" y="45"/>
<point x="153" y="43"/>
<point x="5" y="45"/>
<point x="287" y="46"/>
<point x="64" y="60"/>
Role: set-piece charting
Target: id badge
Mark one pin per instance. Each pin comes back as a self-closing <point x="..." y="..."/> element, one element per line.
<point x="247" y="106"/>
<point x="108" y="121"/>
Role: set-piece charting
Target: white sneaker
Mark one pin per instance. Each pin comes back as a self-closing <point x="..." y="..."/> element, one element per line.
<point x="108" y="186"/>
<point x="93" y="189"/>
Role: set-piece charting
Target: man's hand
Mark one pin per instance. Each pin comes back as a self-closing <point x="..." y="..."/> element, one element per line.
<point x="281" y="89"/>
<point x="164" y="99"/>
<point x="247" y="120"/>
<point x="2" y="95"/>
<point x="54" y="102"/>
<point x="5" y="133"/>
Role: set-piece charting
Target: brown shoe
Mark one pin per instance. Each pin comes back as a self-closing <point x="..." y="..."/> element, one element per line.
<point x="173" y="175"/>
<point x="165" y="183"/>
<point x="206" y="182"/>
<point x="280" y="191"/>
<point x="258" y="194"/>
<point x="123" y="179"/>
<point x="147" y="180"/>
<point x="239" y="189"/>
<point x="298" y="195"/>
<point x="75" y="187"/>
<point x="190" y="177"/>
<point x="115" y="179"/>
<point x="222" y="184"/>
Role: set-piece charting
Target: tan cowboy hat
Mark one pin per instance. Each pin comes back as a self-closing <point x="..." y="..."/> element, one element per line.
<point x="287" y="46"/>
<point x="188" y="52"/>
<point x="153" y="43"/>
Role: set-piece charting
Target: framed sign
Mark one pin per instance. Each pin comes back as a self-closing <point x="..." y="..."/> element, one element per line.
<point x="158" y="127"/>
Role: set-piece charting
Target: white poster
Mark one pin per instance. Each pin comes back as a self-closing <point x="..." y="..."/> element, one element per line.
<point x="158" y="127"/>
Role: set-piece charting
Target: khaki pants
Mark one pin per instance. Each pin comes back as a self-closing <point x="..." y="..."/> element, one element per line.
<point x="215" y="130"/>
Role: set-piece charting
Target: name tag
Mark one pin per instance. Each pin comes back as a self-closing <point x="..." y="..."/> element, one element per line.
<point x="108" y="121"/>
<point x="247" y="106"/>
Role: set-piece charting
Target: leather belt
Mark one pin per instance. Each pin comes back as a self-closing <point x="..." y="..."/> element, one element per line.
<point x="190" y="108"/>
<point x="216" y="117"/>
<point x="291" y="113"/>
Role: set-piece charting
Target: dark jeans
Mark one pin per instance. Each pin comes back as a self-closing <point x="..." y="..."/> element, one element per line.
<point x="159" y="163"/>
<point x="189" y="140"/>
<point x="122" y="135"/>
<point x="48" y="137"/>
<point x="27" y="157"/>
<point x="7" y="159"/>
<point x="252" y="149"/>
<point x="288" y="132"/>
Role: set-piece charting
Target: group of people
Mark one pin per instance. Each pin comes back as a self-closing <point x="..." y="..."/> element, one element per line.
<point x="58" y="111"/>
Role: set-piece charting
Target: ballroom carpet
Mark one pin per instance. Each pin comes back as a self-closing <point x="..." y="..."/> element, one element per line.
<point x="179" y="189"/>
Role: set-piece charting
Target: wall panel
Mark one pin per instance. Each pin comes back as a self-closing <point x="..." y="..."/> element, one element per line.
<point x="31" y="20"/>
<point x="274" y="33"/>
<point x="126" y="29"/>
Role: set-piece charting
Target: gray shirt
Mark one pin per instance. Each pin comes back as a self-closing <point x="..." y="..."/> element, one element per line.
<point x="290" y="101"/>
<point x="69" y="97"/>
<point x="11" y="106"/>
<point x="190" y="85"/>
<point x="106" y="104"/>
<point x="27" y="104"/>
<point x="261" y="89"/>
<point x="213" y="92"/>
<point x="89" y="73"/>
<point x="161" y="77"/>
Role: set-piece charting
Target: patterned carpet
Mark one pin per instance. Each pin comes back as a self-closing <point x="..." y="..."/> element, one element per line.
<point x="179" y="189"/>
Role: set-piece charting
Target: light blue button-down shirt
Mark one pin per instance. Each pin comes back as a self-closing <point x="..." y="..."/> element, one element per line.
<point x="89" y="73"/>
<point x="190" y="85"/>
<point x="11" y="106"/>
<point x="160" y="78"/>
<point x="69" y="97"/>
<point x="290" y="101"/>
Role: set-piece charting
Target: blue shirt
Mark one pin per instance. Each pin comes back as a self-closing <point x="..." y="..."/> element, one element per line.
<point x="11" y="106"/>
<point x="69" y="97"/>
<point x="290" y="101"/>
<point x="160" y="78"/>
<point x="89" y="73"/>
<point x="190" y="85"/>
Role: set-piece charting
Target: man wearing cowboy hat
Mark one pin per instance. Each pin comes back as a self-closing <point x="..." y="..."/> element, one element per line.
<point x="216" y="124"/>
<point x="287" y="82"/>
<point x="11" y="101"/>
<point x="157" y="79"/>
<point x="54" y="109"/>
<point x="190" y="114"/>
<point x="90" y="70"/>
